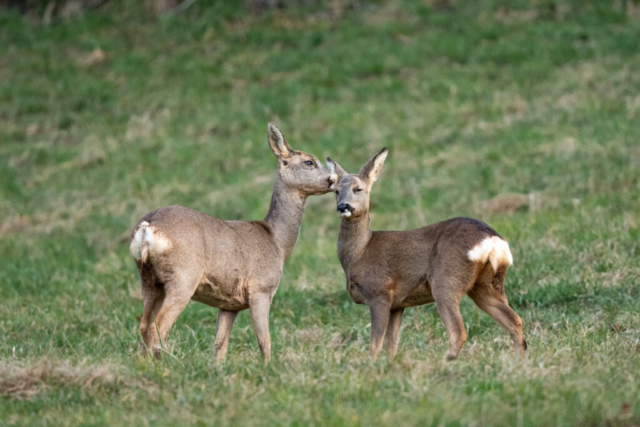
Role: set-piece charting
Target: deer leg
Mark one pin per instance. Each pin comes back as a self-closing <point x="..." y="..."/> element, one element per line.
<point x="152" y="297"/>
<point x="393" y="332"/>
<point x="145" y="323"/>
<point x="259" y="308"/>
<point x="223" y="330"/>
<point x="497" y="306"/>
<point x="167" y="308"/>
<point x="448" y="304"/>
<point x="379" y="320"/>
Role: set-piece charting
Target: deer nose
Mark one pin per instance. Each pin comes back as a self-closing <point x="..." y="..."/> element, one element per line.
<point x="345" y="207"/>
<point x="331" y="183"/>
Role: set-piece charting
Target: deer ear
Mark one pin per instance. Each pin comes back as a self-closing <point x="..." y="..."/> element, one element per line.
<point x="337" y="173"/>
<point x="278" y="144"/>
<point x="371" y="170"/>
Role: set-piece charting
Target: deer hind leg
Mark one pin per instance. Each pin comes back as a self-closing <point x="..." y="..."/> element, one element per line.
<point x="170" y="299"/>
<point x="149" y="298"/>
<point x="223" y="331"/>
<point x="259" y="307"/>
<point x="495" y="304"/>
<point x="448" y="304"/>
<point x="380" y="312"/>
<point x="393" y="332"/>
<point x="152" y="297"/>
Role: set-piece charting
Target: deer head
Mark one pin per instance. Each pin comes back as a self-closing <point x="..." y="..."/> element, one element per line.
<point x="299" y="170"/>
<point x="353" y="190"/>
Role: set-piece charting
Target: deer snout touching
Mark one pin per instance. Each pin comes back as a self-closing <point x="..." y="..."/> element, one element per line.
<point x="332" y="183"/>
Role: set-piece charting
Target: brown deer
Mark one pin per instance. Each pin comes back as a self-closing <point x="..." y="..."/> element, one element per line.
<point x="183" y="254"/>
<point x="392" y="270"/>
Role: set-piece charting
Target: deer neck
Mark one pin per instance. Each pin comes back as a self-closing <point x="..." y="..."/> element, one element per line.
<point x="285" y="216"/>
<point x="353" y="238"/>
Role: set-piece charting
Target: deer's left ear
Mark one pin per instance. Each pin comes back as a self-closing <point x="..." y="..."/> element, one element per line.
<point x="371" y="170"/>
<point x="337" y="173"/>
<point x="278" y="144"/>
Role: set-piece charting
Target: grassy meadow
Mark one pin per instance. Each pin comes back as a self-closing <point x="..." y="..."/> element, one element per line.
<point x="524" y="114"/>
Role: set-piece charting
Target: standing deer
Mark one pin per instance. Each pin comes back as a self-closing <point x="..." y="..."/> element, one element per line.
<point x="183" y="254"/>
<point x="391" y="270"/>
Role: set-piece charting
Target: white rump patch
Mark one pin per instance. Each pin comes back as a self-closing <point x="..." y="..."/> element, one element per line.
<point x="346" y="214"/>
<point x="494" y="250"/>
<point x="158" y="243"/>
<point x="136" y="243"/>
<point x="148" y="240"/>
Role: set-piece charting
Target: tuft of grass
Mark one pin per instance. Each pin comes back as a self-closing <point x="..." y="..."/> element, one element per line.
<point x="25" y="380"/>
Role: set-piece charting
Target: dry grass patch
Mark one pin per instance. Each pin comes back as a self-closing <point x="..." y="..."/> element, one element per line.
<point x="510" y="16"/>
<point x="15" y="223"/>
<point x="24" y="380"/>
<point x="508" y="203"/>
<point x="511" y="203"/>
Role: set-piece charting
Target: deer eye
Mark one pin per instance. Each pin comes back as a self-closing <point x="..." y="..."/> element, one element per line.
<point x="308" y="163"/>
<point x="357" y="190"/>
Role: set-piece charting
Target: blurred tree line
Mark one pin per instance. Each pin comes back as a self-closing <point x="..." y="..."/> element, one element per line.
<point x="67" y="8"/>
<point x="47" y="11"/>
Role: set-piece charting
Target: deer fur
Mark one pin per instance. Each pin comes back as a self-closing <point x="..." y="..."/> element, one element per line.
<point x="184" y="255"/>
<point x="392" y="270"/>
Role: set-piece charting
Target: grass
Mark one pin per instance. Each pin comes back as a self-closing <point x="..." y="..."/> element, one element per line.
<point x="522" y="114"/>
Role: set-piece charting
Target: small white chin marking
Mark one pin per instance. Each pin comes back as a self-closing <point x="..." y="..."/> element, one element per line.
<point x="346" y="214"/>
<point x="332" y="187"/>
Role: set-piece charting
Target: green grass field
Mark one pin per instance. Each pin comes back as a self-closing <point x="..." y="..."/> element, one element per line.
<point x="522" y="114"/>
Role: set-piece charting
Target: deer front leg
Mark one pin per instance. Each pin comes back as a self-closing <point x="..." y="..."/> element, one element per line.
<point x="379" y="319"/>
<point x="393" y="332"/>
<point x="223" y="331"/>
<point x="259" y="308"/>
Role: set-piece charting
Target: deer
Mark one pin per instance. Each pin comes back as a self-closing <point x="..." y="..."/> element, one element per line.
<point x="392" y="270"/>
<point x="183" y="254"/>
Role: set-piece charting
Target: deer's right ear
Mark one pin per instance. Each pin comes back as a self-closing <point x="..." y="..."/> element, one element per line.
<point x="337" y="173"/>
<point x="371" y="170"/>
<point x="278" y="144"/>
